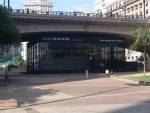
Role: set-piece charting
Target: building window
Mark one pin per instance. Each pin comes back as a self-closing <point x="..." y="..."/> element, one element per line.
<point x="124" y="2"/>
<point x="141" y="14"/>
<point x="146" y="11"/>
<point x="136" y="7"/>
<point x="128" y="58"/>
<point x="119" y="4"/>
<point x="147" y="3"/>
<point x="132" y="9"/>
<point x="128" y="10"/>
<point x="140" y="4"/>
<point x="136" y="15"/>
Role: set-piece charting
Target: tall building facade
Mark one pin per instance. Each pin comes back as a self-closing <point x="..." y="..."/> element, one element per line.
<point x="128" y="8"/>
<point x="38" y="6"/>
<point x="100" y="5"/>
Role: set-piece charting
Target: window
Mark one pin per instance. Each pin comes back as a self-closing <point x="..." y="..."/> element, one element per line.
<point x="124" y="2"/>
<point x="119" y="4"/>
<point x="132" y="9"/>
<point x="146" y="11"/>
<point x="136" y="7"/>
<point x="141" y="14"/>
<point x="128" y="10"/>
<point x="140" y="4"/>
<point x="136" y="15"/>
<point x="146" y="3"/>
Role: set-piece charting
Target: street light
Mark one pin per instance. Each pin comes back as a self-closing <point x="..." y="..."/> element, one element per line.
<point x="4" y="3"/>
<point x="8" y="5"/>
<point x="144" y="8"/>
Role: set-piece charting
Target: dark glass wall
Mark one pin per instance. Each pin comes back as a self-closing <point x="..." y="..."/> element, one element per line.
<point x="74" y="57"/>
<point x="74" y="52"/>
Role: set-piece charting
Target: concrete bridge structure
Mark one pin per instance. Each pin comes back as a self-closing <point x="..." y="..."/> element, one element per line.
<point x="62" y="22"/>
<point x="75" y="41"/>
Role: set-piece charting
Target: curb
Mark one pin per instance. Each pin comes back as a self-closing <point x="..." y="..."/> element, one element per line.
<point x="125" y="80"/>
<point x="7" y="104"/>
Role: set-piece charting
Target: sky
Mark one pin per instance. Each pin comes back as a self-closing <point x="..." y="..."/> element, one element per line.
<point x="61" y="5"/>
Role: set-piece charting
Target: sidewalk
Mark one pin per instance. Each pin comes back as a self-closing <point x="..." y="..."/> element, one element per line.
<point x="32" y="89"/>
<point x="44" y="88"/>
<point x="124" y="77"/>
<point x="129" y="74"/>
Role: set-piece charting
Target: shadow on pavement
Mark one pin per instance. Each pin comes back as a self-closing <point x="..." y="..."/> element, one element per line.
<point x="25" y="95"/>
<point x="43" y="79"/>
<point x="142" y="107"/>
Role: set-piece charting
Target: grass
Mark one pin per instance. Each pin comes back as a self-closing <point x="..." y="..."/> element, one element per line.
<point x="140" y="78"/>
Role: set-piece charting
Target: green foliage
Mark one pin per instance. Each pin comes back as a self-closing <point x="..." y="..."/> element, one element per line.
<point x="9" y="34"/>
<point x="141" y="78"/>
<point x="18" y="61"/>
<point x="142" y="37"/>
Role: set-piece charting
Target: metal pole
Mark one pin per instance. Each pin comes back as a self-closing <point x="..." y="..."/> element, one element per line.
<point x="111" y="15"/>
<point x="4" y="3"/>
<point x="144" y="8"/>
<point x="8" y="5"/>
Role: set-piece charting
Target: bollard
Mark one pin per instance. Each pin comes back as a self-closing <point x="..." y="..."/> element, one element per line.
<point x="86" y="74"/>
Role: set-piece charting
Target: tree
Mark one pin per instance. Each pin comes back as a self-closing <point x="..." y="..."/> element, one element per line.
<point x="142" y="40"/>
<point x="9" y="34"/>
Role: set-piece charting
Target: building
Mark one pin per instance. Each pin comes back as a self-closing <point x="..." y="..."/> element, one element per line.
<point x="38" y="6"/>
<point x="99" y="5"/>
<point x="74" y="52"/>
<point x="128" y="8"/>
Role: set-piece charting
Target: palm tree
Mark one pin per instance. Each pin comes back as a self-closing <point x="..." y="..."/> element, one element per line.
<point x="142" y="39"/>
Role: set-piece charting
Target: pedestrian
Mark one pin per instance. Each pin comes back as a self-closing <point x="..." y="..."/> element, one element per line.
<point x="107" y="73"/>
<point x="6" y="75"/>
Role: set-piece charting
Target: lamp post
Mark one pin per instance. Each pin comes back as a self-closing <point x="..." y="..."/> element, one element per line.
<point x="144" y="8"/>
<point x="4" y="3"/>
<point x="8" y="5"/>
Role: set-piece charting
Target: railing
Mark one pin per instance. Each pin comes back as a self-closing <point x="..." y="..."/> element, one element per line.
<point x="56" y="13"/>
<point x="78" y="15"/>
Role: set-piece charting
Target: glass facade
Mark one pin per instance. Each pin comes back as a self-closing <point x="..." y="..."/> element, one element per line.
<point x="61" y="54"/>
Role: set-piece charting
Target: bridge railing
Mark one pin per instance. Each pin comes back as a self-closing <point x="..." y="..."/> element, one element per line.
<point x="56" y="13"/>
<point x="78" y="15"/>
